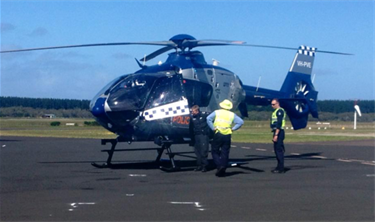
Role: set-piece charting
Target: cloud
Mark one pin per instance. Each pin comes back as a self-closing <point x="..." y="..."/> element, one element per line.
<point x="39" y="32"/>
<point x="56" y="74"/>
<point x="6" y="27"/>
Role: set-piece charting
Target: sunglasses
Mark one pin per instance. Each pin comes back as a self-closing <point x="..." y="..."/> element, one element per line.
<point x="273" y="104"/>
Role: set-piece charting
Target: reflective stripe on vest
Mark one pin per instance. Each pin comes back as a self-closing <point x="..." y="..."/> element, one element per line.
<point x="223" y="121"/>
<point x="274" y="119"/>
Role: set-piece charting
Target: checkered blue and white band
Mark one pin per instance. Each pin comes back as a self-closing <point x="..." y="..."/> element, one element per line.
<point x="169" y="110"/>
<point x="306" y="50"/>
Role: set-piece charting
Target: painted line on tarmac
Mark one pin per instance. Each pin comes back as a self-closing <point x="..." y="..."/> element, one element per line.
<point x="263" y="150"/>
<point x="319" y="157"/>
<point x="245" y="147"/>
<point x="368" y="163"/>
<point x="196" y="204"/>
<point x="344" y="160"/>
<point x="296" y="154"/>
<point x="75" y="205"/>
<point x="364" y="162"/>
<point x="137" y="175"/>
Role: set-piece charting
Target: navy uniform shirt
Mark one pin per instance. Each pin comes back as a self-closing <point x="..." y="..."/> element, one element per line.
<point x="199" y="123"/>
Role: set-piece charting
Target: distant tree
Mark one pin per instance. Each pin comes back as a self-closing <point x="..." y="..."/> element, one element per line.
<point x="343" y="106"/>
<point x="44" y="103"/>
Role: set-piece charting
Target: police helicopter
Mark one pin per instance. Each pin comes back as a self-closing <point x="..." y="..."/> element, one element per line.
<point x="152" y="104"/>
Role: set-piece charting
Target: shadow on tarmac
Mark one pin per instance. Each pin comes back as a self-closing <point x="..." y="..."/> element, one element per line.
<point x="189" y="165"/>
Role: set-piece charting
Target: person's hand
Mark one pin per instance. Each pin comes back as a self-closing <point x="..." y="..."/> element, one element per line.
<point x="274" y="139"/>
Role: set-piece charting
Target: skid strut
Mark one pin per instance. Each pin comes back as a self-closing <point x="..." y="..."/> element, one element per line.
<point x="165" y="145"/>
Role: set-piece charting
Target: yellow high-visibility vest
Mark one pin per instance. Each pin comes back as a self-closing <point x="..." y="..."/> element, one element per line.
<point x="223" y="121"/>
<point x="274" y="119"/>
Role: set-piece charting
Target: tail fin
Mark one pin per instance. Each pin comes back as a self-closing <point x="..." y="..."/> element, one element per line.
<point x="300" y="94"/>
<point x="297" y="94"/>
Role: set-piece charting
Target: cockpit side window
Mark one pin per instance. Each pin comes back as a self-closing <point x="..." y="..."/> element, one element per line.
<point x="167" y="90"/>
<point x="197" y="93"/>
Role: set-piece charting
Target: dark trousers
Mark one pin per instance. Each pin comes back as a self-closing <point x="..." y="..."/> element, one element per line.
<point x="279" y="149"/>
<point x="201" y="149"/>
<point x="220" y="149"/>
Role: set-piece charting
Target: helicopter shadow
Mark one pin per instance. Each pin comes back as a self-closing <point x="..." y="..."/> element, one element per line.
<point x="189" y="165"/>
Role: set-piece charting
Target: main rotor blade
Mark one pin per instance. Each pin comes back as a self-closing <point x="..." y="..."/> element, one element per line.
<point x="221" y="40"/>
<point x="233" y="43"/>
<point x="338" y="53"/>
<point x="161" y="43"/>
<point x="156" y="53"/>
<point x="170" y="44"/>
<point x="289" y="48"/>
<point x="197" y="43"/>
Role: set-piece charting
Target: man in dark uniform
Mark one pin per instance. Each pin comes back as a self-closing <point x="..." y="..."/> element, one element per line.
<point x="277" y="126"/>
<point x="201" y="137"/>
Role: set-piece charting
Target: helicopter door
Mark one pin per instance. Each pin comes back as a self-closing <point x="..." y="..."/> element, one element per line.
<point x="167" y="99"/>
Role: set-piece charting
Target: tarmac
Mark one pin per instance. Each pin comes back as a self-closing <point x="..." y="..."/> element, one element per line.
<point x="52" y="179"/>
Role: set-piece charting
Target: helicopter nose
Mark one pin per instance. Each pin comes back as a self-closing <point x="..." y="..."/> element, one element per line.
<point x="98" y="108"/>
<point x="123" y="118"/>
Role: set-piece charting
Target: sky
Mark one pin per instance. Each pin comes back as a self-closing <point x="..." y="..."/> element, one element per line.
<point x="79" y="73"/>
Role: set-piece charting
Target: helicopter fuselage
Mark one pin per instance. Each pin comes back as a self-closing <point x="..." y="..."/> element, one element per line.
<point x="155" y="101"/>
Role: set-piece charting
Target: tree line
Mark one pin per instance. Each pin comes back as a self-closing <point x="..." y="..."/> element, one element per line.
<point x="340" y="110"/>
<point x="331" y="106"/>
<point x="43" y="103"/>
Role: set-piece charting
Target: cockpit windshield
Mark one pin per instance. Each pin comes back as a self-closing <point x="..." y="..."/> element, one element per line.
<point x="104" y="91"/>
<point x="131" y="92"/>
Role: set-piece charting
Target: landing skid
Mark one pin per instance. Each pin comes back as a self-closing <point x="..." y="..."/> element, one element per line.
<point x="104" y="165"/>
<point x="165" y="145"/>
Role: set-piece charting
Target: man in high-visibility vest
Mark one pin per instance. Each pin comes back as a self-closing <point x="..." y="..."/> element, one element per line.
<point x="277" y="126"/>
<point x="220" y="121"/>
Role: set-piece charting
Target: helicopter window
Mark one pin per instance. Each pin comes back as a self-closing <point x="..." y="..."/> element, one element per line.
<point x="167" y="90"/>
<point x="209" y="72"/>
<point x="105" y="90"/>
<point x="197" y="93"/>
<point x="225" y="84"/>
<point x="131" y="92"/>
<point x="133" y="82"/>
